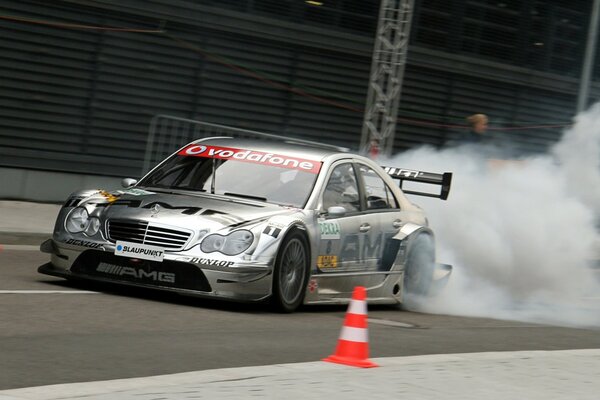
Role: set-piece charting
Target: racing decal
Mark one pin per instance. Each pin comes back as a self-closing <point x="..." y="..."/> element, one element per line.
<point x="329" y="246"/>
<point x="327" y="262"/>
<point x="136" y="192"/>
<point x="73" y="201"/>
<point x="112" y="269"/>
<point x="313" y="285"/>
<point x="365" y="249"/>
<point x="272" y="231"/>
<point x="136" y="250"/>
<point x="351" y="247"/>
<point x="83" y="243"/>
<point x="329" y="230"/>
<point x="251" y="156"/>
<point x="111" y="198"/>
<point x="208" y="261"/>
<point x="408" y="173"/>
<point x="127" y="203"/>
<point x="222" y="217"/>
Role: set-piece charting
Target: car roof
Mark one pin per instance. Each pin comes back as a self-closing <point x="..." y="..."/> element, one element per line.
<point x="293" y="147"/>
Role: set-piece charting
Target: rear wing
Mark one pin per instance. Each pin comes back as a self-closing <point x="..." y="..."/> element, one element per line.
<point x="442" y="180"/>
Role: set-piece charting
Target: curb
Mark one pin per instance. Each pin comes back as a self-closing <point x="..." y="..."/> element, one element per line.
<point x="540" y="374"/>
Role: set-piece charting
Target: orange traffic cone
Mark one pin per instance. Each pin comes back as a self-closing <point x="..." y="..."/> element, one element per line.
<point x="353" y="344"/>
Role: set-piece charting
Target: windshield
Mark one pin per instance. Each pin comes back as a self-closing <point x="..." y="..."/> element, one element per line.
<point x="241" y="173"/>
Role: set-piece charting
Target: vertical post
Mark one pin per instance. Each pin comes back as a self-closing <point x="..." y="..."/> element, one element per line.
<point x="588" y="58"/>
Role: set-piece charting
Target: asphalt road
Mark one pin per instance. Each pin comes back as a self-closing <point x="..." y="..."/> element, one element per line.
<point x="53" y="332"/>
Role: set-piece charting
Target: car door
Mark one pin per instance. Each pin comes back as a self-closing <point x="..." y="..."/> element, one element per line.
<point x="339" y="247"/>
<point x="381" y="220"/>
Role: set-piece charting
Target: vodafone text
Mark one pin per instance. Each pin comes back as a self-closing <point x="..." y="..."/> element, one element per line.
<point x="257" y="157"/>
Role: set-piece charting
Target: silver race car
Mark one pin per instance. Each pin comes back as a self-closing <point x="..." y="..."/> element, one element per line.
<point x="251" y="220"/>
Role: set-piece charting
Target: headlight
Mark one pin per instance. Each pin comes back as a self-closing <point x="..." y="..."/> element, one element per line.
<point x="232" y="244"/>
<point x="79" y="221"/>
<point x="93" y="226"/>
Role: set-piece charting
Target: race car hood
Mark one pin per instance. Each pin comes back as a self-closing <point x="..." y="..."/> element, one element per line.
<point x="195" y="212"/>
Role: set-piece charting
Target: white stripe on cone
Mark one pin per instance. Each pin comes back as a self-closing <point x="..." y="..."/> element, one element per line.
<point x="354" y="334"/>
<point x="358" y="307"/>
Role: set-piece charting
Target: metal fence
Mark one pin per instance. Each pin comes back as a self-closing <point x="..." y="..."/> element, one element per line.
<point x="168" y="133"/>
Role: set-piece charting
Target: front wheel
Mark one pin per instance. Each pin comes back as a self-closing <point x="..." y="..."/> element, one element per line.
<point x="291" y="273"/>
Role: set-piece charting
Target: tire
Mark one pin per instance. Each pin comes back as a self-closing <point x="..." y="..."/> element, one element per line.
<point x="420" y="263"/>
<point x="291" y="272"/>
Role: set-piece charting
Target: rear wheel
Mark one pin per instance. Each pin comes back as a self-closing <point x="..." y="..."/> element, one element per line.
<point x="420" y="263"/>
<point x="291" y="273"/>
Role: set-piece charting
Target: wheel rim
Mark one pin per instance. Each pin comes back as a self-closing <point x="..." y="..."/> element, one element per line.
<point x="293" y="270"/>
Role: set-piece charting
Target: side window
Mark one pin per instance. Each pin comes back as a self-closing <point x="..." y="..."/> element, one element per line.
<point x="378" y="193"/>
<point x="342" y="189"/>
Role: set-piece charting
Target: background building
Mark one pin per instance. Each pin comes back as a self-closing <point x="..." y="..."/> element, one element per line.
<point x="81" y="80"/>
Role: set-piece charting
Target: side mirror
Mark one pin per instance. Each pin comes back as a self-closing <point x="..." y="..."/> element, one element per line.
<point x="336" y="212"/>
<point x="128" y="182"/>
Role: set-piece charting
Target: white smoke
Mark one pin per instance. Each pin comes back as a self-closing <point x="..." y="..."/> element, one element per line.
<point x="521" y="235"/>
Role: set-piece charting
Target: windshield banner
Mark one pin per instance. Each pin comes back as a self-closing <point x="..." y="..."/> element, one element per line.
<point x="251" y="156"/>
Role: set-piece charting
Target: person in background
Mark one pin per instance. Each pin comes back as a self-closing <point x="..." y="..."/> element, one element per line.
<point x="497" y="151"/>
<point x="478" y="124"/>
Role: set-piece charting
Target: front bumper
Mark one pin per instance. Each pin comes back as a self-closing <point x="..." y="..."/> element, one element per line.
<point x="247" y="281"/>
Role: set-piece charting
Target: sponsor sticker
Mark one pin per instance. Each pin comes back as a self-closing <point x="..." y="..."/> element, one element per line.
<point x="329" y="230"/>
<point x="327" y="262"/>
<point x="136" y="250"/>
<point x="272" y="231"/>
<point x="209" y="261"/>
<point x="136" y="273"/>
<point x="83" y="243"/>
<point x="251" y="156"/>
<point x="408" y="173"/>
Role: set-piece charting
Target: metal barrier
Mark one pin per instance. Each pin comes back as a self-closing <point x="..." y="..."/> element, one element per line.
<point x="168" y="133"/>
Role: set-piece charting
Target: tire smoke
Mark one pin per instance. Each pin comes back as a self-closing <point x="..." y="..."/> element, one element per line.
<point x="521" y="233"/>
